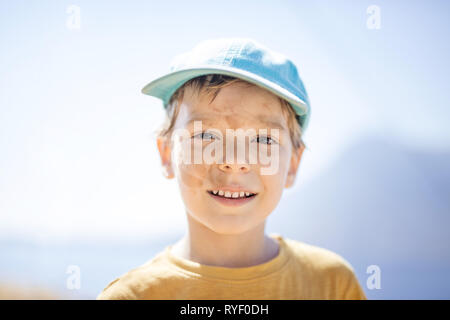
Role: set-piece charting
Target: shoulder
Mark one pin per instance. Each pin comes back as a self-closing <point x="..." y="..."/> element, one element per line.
<point x="326" y="266"/>
<point x="318" y="257"/>
<point x="133" y="284"/>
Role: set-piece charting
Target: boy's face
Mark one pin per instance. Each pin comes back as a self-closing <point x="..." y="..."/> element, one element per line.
<point x="237" y="106"/>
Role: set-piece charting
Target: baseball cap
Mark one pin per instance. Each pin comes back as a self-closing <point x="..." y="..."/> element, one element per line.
<point x="242" y="58"/>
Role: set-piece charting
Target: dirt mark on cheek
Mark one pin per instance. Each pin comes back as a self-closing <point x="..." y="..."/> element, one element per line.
<point x="192" y="177"/>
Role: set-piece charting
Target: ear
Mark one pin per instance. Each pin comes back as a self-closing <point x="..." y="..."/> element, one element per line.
<point x="165" y="152"/>
<point x="293" y="167"/>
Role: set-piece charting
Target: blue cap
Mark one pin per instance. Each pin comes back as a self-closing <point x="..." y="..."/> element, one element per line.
<point x="241" y="58"/>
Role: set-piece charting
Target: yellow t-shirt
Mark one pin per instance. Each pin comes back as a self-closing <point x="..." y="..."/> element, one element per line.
<point x="299" y="271"/>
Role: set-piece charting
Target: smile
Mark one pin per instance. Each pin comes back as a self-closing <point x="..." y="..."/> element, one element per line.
<point x="230" y="194"/>
<point x="229" y="198"/>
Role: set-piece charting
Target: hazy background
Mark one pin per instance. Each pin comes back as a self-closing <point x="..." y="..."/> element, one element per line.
<point x="80" y="179"/>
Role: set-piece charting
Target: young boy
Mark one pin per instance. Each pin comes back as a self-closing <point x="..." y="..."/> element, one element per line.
<point x="221" y="89"/>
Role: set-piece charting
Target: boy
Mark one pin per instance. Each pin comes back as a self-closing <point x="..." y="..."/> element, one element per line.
<point x="221" y="89"/>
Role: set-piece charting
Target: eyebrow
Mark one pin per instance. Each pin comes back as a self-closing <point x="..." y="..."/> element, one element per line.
<point x="272" y="123"/>
<point x="269" y="122"/>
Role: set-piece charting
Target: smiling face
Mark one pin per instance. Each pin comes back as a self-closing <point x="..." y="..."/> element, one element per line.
<point x="231" y="196"/>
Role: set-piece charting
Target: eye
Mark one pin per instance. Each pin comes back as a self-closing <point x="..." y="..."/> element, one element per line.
<point x="205" y="136"/>
<point x="265" y="140"/>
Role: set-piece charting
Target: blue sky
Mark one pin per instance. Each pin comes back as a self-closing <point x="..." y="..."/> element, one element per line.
<point x="78" y="157"/>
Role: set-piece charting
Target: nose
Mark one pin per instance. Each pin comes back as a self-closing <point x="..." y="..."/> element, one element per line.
<point x="234" y="167"/>
<point x="235" y="157"/>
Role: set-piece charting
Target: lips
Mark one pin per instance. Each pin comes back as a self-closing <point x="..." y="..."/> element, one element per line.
<point x="226" y="197"/>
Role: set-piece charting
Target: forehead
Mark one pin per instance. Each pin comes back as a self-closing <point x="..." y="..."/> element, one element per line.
<point x="237" y="103"/>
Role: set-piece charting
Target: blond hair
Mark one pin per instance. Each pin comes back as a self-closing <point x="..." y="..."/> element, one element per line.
<point x="212" y="84"/>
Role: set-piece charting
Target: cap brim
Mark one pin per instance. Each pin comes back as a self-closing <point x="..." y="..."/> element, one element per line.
<point x="164" y="87"/>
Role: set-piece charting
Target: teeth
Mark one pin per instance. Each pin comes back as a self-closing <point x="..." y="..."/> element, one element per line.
<point x="229" y="194"/>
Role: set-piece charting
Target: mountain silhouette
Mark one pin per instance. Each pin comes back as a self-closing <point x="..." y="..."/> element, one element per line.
<point x="383" y="204"/>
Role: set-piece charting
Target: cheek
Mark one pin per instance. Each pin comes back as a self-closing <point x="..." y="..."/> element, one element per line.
<point x="191" y="178"/>
<point x="273" y="188"/>
<point x="278" y="165"/>
<point x="189" y="175"/>
<point x="285" y="162"/>
<point x="274" y="184"/>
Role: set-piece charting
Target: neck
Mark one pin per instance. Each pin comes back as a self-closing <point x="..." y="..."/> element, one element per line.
<point x="208" y="247"/>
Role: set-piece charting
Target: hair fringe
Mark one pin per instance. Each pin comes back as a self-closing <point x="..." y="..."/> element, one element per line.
<point x="211" y="85"/>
